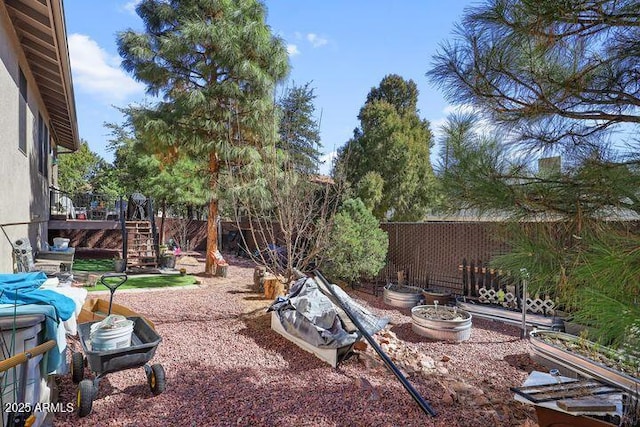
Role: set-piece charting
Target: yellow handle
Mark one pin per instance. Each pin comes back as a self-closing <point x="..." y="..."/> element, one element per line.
<point x="21" y="358"/>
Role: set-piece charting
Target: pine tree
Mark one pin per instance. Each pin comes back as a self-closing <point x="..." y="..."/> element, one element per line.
<point x="557" y="78"/>
<point x="215" y="65"/>
<point x="393" y="142"/>
<point x="299" y="130"/>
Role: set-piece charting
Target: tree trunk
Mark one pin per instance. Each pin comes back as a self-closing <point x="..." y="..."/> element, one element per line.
<point x="212" y="226"/>
<point x="164" y="213"/>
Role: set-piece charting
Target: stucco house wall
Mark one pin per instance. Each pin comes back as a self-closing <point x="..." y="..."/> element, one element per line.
<point x="24" y="189"/>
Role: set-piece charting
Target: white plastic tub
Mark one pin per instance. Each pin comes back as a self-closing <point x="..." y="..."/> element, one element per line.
<point x="60" y="243"/>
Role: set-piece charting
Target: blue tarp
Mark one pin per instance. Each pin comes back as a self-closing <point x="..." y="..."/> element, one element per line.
<point x="52" y="327"/>
<point x="22" y="289"/>
<point x="20" y="294"/>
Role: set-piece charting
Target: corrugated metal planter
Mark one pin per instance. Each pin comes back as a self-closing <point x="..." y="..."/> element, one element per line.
<point x="432" y="295"/>
<point x="401" y="295"/>
<point x="441" y="323"/>
<point x="505" y="315"/>
<point x="565" y="350"/>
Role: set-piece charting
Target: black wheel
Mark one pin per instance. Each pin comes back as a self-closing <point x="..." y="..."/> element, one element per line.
<point x="84" y="402"/>
<point x="156" y="379"/>
<point x="77" y="367"/>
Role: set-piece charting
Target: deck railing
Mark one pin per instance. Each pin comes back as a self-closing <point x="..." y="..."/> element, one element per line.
<point x="85" y="206"/>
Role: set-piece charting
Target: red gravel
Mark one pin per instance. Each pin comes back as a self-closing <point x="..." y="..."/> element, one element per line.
<point x="226" y="367"/>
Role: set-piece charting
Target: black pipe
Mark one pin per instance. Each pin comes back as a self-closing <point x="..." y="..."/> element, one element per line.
<point x="407" y="385"/>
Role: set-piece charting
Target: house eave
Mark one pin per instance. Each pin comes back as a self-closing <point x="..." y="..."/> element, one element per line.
<point x="41" y="31"/>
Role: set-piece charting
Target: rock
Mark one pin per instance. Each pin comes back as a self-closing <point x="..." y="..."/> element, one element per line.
<point x="447" y="398"/>
<point x="187" y="260"/>
<point x="461" y="387"/>
<point x="363" y="384"/>
<point x="442" y="370"/>
<point x="445" y="358"/>
<point x="360" y="346"/>
<point x="427" y="362"/>
<point x="366" y="386"/>
<point x="481" y="400"/>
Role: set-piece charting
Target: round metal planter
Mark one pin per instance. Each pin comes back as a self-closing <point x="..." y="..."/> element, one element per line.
<point x="432" y="295"/>
<point x="441" y="323"/>
<point x="401" y="295"/>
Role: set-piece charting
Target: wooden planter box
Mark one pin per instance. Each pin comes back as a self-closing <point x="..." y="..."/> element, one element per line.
<point x="95" y="309"/>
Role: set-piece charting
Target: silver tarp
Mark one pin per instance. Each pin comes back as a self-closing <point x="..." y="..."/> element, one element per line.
<point x="310" y="313"/>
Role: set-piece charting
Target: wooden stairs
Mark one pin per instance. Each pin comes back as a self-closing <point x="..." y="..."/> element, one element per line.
<point x="141" y="252"/>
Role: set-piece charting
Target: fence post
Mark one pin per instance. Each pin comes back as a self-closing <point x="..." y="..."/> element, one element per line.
<point x="524" y="274"/>
<point x="465" y="278"/>
<point x="472" y="279"/>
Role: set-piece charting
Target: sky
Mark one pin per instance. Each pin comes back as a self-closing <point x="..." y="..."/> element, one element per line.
<point x="343" y="47"/>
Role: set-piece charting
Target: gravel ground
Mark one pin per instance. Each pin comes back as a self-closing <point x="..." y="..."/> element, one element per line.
<point x="226" y="367"/>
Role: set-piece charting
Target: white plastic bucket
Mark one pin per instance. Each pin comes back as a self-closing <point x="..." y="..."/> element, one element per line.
<point x="60" y="243"/>
<point x="103" y="339"/>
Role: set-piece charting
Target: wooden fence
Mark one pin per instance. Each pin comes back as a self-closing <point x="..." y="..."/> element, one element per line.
<point x="431" y="254"/>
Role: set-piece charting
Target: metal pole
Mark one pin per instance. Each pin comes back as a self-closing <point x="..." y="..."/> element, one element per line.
<point x="412" y="391"/>
<point x="523" y="300"/>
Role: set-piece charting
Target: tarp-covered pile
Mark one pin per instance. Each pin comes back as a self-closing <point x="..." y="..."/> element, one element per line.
<point x="311" y="313"/>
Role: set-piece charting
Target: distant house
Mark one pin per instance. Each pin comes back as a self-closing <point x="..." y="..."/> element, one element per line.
<point x="37" y="117"/>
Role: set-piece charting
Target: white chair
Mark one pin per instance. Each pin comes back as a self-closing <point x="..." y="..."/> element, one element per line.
<point x="66" y="206"/>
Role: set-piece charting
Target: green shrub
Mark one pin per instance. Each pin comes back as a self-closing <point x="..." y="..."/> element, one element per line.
<point x="357" y="245"/>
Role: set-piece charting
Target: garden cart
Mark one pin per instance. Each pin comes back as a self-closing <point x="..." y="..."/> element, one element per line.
<point x="144" y="342"/>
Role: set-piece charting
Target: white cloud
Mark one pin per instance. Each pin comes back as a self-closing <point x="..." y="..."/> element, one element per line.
<point x="130" y="6"/>
<point x="292" y="50"/>
<point x="97" y="73"/>
<point x="316" y="40"/>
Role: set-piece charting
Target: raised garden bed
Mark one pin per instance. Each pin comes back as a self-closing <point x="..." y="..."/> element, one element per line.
<point x="587" y="358"/>
<point x="507" y="315"/>
<point x="401" y="295"/>
<point x="441" y="322"/>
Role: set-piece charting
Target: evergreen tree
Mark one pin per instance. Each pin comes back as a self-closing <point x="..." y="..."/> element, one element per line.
<point x="77" y="171"/>
<point x="559" y="78"/>
<point x="357" y="246"/>
<point x="215" y="65"/>
<point x="394" y="142"/>
<point x="299" y="131"/>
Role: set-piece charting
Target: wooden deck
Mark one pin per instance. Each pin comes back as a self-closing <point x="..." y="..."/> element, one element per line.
<point x="83" y="224"/>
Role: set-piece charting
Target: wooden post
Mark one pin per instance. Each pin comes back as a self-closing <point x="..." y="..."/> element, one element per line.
<point x="465" y="278"/>
<point x="273" y="287"/>
<point x="258" y="278"/>
<point x="472" y="279"/>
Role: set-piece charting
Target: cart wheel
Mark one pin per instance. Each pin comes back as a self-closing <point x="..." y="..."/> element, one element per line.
<point x="156" y="379"/>
<point x="77" y="367"/>
<point x="84" y="402"/>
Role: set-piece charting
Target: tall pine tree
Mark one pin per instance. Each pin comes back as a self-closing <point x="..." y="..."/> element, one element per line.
<point x="560" y="78"/>
<point x="299" y="130"/>
<point x="215" y="65"/>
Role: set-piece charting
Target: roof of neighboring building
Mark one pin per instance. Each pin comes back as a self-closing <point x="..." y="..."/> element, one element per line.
<point x="42" y="33"/>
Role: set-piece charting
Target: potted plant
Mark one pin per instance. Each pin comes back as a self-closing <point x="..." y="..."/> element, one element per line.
<point x="119" y="265"/>
<point x="167" y="260"/>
